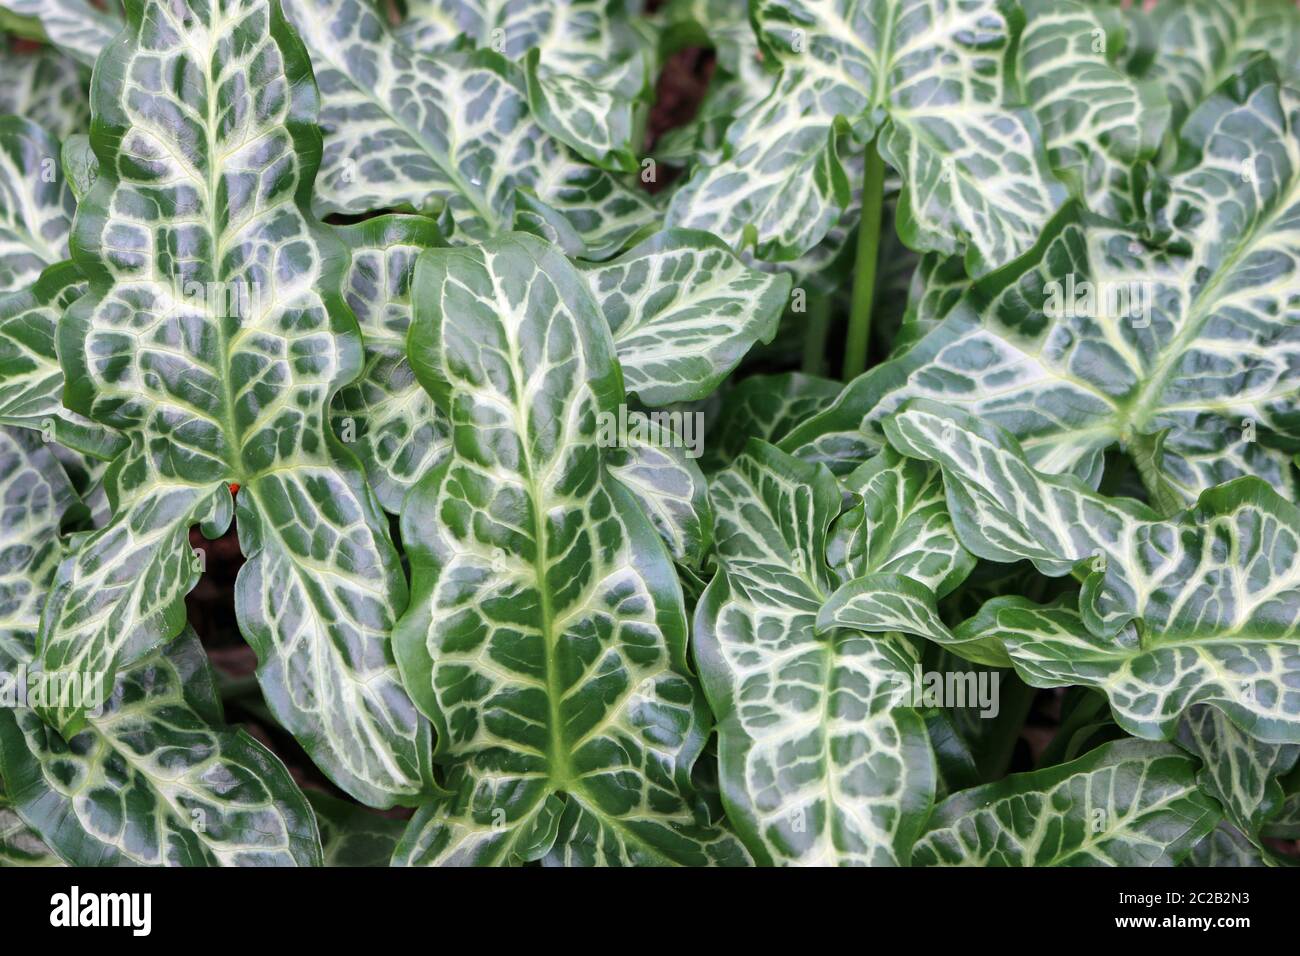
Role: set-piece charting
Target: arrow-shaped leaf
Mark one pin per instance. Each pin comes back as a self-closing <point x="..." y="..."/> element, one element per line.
<point x="1128" y="803"/>
<point x="819" y="764"/>
<point x="932" y="79"/>
<point x="546" y="637"/>
<point x="219" y="364"/>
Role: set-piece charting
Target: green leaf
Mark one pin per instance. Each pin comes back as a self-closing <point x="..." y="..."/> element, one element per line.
<point x="1202" y="607"/>
<point x="79" y="28"/>
<point x="597" y="123"/>
<point x="766" y="407"/>
<point x="36" y="204"/>
<point x="1097" y="338"/>
<point x="413" y="131"/>
<point x="19" y="843"/>
<point x="546" y="636"/>
<point x="31" y="381"/>
<point x="1239" y="772"/>
<point x="684" y="311"/>
<point x="1200" y="43"/>
<point x="591" y="39"/>
<point x="398" y="432"/>
<point x="1002" y="508"/>
<point x="79" y="164"/>
<point x="1225" y="846"/>
<point x="155" y="780"/>
<point x="933" y="80"/>
<point x="47" y="88"/>
<point x="818" y="764"/>
<point x="219" y="365"/>
<point x="662" y="476"/>
<point x="36" y="494"/>
<point x="901" y="527"/>
<point x="1100" y="125"/>
<point x="1129" y="803"/>
<point x="352" y="835"/>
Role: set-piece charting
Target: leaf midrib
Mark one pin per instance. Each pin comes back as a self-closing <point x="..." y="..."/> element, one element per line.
<point x="1146" y="404"/>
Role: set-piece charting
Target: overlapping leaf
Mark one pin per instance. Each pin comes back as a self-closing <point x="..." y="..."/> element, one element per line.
<point x="1100" y="126"/>
<point x="19" y="844"/>
<point x="36" y="204"/>
<point x="1130" y="803"/>
<point x="1239" y="772"/>
<point x="46" y="88"/>
<point x="213" y="336"/>
<point x="819" y="764"/>
<point x="408" y="130"/>
<point x="1201" y="608"/>
<point x="351" y="835"/>
<point x="1199" y="43"/>
<point x="766" y="407"/>
<point x="79" y="28"/>
<point x="931" y="79"/>
<point x="586" y="62"/>
<point x="1184" y="354"/>
<point x="398" y="433"/>
<point x="546" y="636"/>
<point x="154" y="778"/>
<point x="684" y="311"/>
<point x="31" y="380"/>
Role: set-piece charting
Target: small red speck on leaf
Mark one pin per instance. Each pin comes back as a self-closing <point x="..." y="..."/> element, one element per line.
<point x="234" y="487"/>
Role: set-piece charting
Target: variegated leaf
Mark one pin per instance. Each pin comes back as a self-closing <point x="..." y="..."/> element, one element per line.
<point x="546" y="637"/>
<point x="766" y="407"/>
<point x="658" y="467"/>
<point x="1239" y="772"/>
<point x="47" y="88"/>
<point x="31" y="381"/>
<point x="932" y="79"/>
<point x="79" y="28"/>
<point x="1199" y="43"/>
<point x="408" y="130"/>
<point x="1183" y="354"/>
<point x="1100" y="125"/>
<point x="1128" y="803"/>
<point x="819" y="764"/>
<point x="588" y="62"/>
<point x="398" y="433"/>
<point x="19" y="843"/>
<point x="598" y="124"/>
<point x="219" y="364"/>
<point x="1225" y="846"/>
<point x="351" y="835"/>
<point x="154" y="778"/>
<point x="901" y="527"/>
<point x="1201" y="607"/>
<point x="1005" y="510"/>
<point x="684" y="311"/>
<point x="36" y="204"/>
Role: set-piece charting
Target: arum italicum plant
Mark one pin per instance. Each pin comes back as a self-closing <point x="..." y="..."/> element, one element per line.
<point x="509" y="388"/>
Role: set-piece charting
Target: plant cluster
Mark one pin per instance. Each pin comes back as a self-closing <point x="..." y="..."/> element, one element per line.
<point x="558" y="529"/>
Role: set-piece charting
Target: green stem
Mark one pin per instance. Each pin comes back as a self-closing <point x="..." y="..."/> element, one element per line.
<point x="814" y="342"/>
<point x="864" y="266"/>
